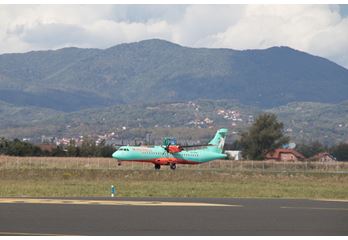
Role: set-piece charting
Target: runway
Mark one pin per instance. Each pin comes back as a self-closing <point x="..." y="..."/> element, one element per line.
<point x="172" y="216"/>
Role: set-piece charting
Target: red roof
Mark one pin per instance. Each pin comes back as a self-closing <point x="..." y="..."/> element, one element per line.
<point x="276" y="153"/>
<point x="323" y="154"/>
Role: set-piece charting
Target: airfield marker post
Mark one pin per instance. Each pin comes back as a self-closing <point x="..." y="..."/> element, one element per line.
<point x="113" y="191"/>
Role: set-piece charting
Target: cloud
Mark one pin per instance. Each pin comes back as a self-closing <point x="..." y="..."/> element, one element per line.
<point x="317" y="29"/>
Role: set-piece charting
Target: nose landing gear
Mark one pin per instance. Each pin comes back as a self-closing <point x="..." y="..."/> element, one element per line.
<point x="157" y="166"/>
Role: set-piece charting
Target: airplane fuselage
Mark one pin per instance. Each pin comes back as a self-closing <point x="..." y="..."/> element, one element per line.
<point x="158" y="155"/>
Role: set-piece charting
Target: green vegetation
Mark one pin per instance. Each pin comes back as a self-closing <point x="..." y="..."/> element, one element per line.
<point x="165" y="183"/>
<point x="87" y="149"/>
<point x="18" y="148"/>
<point x="311" y="149"/>
<point x="340" y="151"/>
<point x="303" y="122"/>
<point x="264" y="135"/>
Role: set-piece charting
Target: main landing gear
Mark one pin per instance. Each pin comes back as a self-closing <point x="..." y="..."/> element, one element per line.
<point x="173" y="166"/>
<point x="157" y="166"/>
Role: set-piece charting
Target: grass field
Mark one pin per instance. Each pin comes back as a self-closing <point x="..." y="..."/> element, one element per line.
<point x="8" y="162"/>
<point x="51" y="181"/>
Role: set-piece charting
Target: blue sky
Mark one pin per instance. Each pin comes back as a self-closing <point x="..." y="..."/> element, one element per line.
<point x="317" y="29"/>
<point x="344" y="10"/>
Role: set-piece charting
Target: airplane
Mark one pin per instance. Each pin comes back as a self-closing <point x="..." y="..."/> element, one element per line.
<point x="169" y="153"/>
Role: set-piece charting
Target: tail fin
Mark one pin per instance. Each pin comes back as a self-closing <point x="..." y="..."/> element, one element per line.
<point x="217" y="143"/>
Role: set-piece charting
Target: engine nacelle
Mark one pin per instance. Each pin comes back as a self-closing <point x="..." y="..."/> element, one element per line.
<point x="174" y="149"/>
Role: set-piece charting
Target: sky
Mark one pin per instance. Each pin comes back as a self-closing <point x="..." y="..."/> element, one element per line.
<point x="320" y="30"/>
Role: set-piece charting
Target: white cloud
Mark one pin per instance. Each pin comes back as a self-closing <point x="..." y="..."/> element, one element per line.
<point x="317" y="29"/>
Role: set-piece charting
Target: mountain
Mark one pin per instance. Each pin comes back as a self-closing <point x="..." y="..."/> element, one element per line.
<point x="155" y="71"/>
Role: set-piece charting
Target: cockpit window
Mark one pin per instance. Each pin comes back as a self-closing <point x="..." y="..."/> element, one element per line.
<point x="123" y="149"/>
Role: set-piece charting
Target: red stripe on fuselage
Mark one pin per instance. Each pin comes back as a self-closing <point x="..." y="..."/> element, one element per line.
<point x="165" y="161"/>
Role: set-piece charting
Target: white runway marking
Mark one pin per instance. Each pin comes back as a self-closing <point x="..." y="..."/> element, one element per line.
<point x="318" y="208"/>
<point x="111" y="202"/>
<point x="331" y="200"/>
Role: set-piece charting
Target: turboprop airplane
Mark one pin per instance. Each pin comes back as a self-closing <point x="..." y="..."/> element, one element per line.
<point x="169" y="153"/>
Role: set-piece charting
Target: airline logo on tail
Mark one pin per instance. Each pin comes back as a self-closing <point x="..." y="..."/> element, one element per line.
<point x="218" y="142"/>
<point x="221" y="143"/>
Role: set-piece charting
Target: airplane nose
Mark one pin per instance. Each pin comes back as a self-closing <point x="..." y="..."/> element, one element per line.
<point x="115" y="154"/>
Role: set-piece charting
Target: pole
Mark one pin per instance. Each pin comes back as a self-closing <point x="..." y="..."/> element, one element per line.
<point x="113" y="191"/>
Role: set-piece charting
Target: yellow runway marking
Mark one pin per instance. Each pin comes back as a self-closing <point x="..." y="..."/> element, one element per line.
<point x="318" y="208"/>
<point x="113" y="203"/>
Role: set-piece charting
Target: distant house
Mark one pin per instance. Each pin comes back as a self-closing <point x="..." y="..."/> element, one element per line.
<point x="284" y="154"/>
<point x="323" y="157"/>
<point x="46" y="147"/>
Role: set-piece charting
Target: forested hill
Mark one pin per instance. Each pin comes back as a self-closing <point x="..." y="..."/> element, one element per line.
<point x="72" y="79"/>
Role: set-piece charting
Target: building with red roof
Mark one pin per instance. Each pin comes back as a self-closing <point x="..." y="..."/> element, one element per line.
<point x="323" y="157"/>
<point x="284" y="154"/>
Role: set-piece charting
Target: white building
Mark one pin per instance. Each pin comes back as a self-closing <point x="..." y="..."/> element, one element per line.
<point x="234" y="155"/>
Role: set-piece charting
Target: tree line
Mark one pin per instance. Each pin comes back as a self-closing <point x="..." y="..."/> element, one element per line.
<point x="87" y="149"/>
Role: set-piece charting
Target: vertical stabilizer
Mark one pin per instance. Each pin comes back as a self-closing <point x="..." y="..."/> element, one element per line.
<point x="217" y="143"/>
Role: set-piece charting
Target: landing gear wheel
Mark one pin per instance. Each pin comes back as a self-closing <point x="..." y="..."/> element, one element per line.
<point x="157" y="166"/>
<point x="173" y="166"/>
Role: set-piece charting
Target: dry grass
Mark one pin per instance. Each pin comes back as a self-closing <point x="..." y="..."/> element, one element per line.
<point x="8" y="162"/>
<point x="182" y="183"/>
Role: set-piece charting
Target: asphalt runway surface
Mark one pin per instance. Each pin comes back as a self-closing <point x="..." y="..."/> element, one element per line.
<point x="172" y="216"/>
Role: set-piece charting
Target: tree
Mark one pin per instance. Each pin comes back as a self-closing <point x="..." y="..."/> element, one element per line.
<point x="340" y="151"/>
<point x="309" y="150"/>
<point x="264" y="135"/>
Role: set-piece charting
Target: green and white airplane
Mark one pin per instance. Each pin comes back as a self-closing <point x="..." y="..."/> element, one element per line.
<point x="171" y="154"/>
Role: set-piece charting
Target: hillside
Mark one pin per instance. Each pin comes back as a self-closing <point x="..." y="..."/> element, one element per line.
<point x="304" y="121"/>
<point x="155" y="71"/>
<point x="308" y="121"/>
